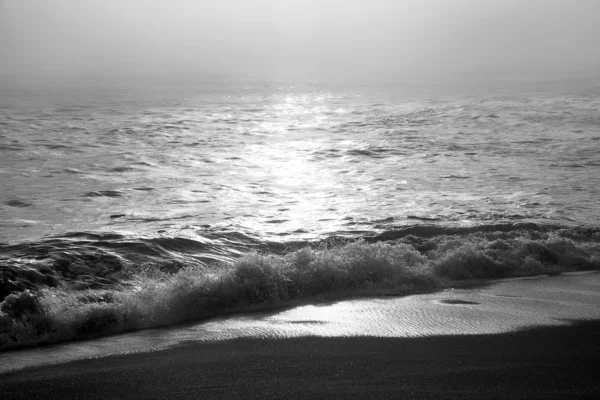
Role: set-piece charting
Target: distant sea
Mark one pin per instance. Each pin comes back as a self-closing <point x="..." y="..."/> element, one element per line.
<point x="128" y="205"/>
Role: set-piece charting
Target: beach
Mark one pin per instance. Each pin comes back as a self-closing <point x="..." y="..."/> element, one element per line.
<point x="551" y="362"/>
<point x="299" y="199"/>
<point x="552" y="356"/>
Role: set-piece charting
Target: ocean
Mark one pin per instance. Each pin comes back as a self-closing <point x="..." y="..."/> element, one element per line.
<point x="127" y="205"/>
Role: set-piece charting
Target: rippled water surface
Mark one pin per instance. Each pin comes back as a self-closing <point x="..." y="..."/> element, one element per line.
<point x="292" y="161"/>
<point x="133" y="205"/>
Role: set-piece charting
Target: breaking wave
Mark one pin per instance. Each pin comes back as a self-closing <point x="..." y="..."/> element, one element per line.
<point x="107" y="284"/>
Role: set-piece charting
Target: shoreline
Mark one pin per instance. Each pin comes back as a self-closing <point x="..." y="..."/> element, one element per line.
<point x="497" y="307"/>
<point x="543" y="362"/>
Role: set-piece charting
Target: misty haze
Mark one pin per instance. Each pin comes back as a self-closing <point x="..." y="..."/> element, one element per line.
<point x="299" y="198"/>
<point x="376" y="40"/>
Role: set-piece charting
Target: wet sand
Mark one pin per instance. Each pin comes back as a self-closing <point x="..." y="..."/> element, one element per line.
<point x="528" y="338"/>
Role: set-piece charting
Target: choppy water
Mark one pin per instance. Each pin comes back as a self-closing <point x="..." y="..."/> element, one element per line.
<point x="97" y="178"/>
<point x="291" y="161"/>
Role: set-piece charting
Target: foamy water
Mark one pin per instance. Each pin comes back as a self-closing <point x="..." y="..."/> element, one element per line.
<point x="502" y="307"/>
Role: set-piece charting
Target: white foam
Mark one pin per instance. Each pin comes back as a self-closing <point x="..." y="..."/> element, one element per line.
<point x="504" y="306"/>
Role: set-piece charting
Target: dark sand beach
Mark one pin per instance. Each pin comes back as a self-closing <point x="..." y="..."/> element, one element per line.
<point x="544" y="343"/>
<point x="549" y="362"/>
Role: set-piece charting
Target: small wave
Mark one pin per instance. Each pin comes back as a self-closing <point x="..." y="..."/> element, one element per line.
<point x="454" y="177"/>
<point x="11" y="148"/>
<point x="72" y="171"/>
<point x="56" y="146"/>
<point x="144" y="164"/>
<point x="92" y="235"/>
<point x="83" y="286"/>
<point x="373" y="152"/>
<point x="104" y="193"/>
<point x="121" y="169"/>
<point x="18" y="203"/>
<point x="422" y="218"/>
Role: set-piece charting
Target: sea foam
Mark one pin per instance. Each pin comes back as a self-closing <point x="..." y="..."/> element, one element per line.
<point x="154" y="295"/>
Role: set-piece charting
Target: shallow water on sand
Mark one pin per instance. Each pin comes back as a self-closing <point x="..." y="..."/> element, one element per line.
<point x="502" y="306"/>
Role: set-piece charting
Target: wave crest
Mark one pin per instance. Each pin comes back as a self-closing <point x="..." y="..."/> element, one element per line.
<point x="164" y="293"/>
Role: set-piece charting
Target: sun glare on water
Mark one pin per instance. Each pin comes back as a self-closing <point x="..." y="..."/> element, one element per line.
<point x="285" y="162"/>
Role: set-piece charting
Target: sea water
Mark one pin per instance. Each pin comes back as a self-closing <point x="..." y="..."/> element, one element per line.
<point x="135" y="204"/>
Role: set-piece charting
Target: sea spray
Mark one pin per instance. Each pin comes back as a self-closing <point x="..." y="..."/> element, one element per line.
<point x="163" y="293"/>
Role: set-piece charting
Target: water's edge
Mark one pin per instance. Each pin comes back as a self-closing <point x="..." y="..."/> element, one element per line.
<point x="73" y="289"/>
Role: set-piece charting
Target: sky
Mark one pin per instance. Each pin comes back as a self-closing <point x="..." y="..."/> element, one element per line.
<point x="313" y="39"/>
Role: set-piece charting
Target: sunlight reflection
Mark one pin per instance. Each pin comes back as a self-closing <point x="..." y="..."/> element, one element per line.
<point x="286" y="171"/>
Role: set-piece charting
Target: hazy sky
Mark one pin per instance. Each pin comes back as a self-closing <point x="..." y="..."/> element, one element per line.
<point x="318" y="39"/>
